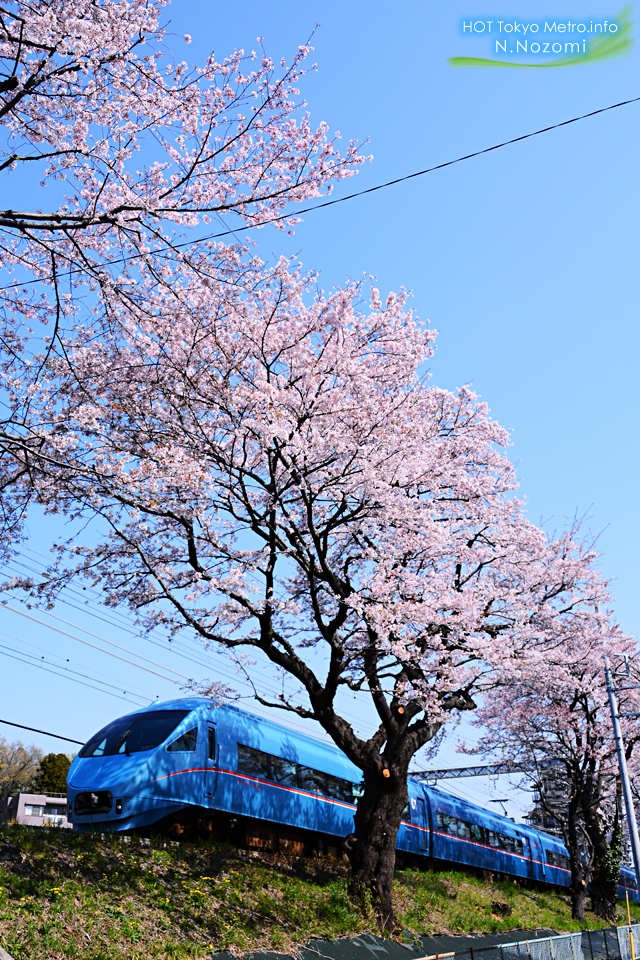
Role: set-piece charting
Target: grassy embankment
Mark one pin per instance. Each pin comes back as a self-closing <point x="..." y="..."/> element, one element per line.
<point x="99" y="899"/>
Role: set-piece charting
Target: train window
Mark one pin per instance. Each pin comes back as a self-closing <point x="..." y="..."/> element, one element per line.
<point x="254" y="762"/>
<point x="512" y="844"/>
<point x="626" y="880"/>
<point x="265" y="766"/>
<point x="284" y="771"/>
<point x="312" y="780"/>
<point x="338" y="789"/>
<point x="447" y="824"/>
<point x="477" y="833"/>
<point x="442" y="822"/>
<point x="556" y="859"/>
<point x="464" y="830"/>
<point x="186" y="743"/>
<point x="133" y="734"/>
<point x="473" y="831"/>
<point x="212" y="743"/>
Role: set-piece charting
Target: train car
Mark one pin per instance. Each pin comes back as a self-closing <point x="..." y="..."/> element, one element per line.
<point x="464" y="833"/>
<point x="628" y="884"/>
<point x="193" y="764"/>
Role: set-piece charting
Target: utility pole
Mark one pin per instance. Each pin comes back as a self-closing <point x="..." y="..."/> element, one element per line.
<point x="624" y="773"/>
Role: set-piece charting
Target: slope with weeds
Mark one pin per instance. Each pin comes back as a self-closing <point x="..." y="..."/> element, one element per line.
<point x="100" y="899"/>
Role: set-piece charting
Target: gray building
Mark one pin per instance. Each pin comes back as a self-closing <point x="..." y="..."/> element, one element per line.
<point x="550" y="804"/>
<point x="35" y="810"/>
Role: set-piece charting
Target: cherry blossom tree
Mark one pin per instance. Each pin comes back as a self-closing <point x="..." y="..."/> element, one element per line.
<point x="121" y="149"/>
<point x="264" y="464"/>
<point x="553" y="719"/>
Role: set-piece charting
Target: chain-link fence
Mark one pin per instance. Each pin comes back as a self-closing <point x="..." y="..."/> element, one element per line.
<point x="613" y="943"/>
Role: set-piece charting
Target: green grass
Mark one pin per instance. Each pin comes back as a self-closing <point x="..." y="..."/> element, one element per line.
<point x="98" y="899"/>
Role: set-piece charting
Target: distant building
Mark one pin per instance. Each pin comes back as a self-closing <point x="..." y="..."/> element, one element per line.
<point x="550" y="815"/>
<point x="550" y="804"/>
<point x="35" y="810"/>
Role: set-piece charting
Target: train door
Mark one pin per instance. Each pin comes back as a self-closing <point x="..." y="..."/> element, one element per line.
<point x="210" y="769"/>
<point x="528" y="851"/>
<point x="537" y="858"/>
<point x="419" y="819"/>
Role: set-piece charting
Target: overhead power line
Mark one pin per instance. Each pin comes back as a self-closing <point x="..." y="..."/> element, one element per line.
<point x="46" y="732"/>
<point x="112" y="644"/>
<point x="331" y="203"/>
<point x="67" y="675"/>
<point x="50" y="626"/>
<point x="268" y="687"/>
<point x="66" y="665"/>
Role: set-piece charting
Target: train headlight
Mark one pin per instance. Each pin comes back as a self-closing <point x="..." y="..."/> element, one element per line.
<point x="118" y="806"/>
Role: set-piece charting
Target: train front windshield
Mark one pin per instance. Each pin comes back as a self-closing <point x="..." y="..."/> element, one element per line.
<point x="133" y="734"/>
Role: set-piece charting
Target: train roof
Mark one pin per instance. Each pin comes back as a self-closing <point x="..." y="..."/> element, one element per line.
<point x="194" y="703"/>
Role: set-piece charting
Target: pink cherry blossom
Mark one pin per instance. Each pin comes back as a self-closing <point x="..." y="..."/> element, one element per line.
<point x="264" y="464"/>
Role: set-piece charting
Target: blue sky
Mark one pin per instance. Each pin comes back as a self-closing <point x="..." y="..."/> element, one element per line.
<point x="525" y="260"/>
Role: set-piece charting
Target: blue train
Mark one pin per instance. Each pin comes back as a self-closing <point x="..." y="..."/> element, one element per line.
<point x="191" y="763"/>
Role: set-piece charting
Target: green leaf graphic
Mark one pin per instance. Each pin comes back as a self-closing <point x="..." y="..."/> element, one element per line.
<point x="600" y="47"/>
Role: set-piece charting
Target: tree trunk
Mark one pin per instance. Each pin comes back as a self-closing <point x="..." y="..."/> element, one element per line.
<point x="578" y="898"/>
<point x="606" y="871"/>
<point x="372" y="846"/>
<point x="578" y="885"/>
<point x="607" y="857"/>
<point x="572" y="840"/>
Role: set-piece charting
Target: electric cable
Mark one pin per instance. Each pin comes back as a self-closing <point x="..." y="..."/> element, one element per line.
<point x="269" y="687"/>
<point x="49" y="626"/>
<point x="72" y="675"/>
<point x="41" y="666"/>
<point x="110" y="642"/>
<point x="59" y="670"/>
<point x="136" y="691"/>
<point x="331" y="203"/>
<point x="45" y="732"/>
<point x="125" y="626"/>
<point x="201" y="661"/>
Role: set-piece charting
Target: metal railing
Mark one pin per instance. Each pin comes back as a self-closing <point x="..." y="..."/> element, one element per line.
<point x="612" y="943"/>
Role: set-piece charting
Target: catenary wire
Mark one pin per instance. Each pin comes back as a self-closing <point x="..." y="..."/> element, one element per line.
<point x="58" y="671"/>
<point x="63" y="672"/>
<point x="111" y="643"/>
<point x="50" y="626"/>
<point x="269" y="688"/>
<point x="331" y="203"/>
<point x="117" y="620"/>
<point x="41" y="666"/>
<point x="45" y="732"/>
<point x="52" y="657"/>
